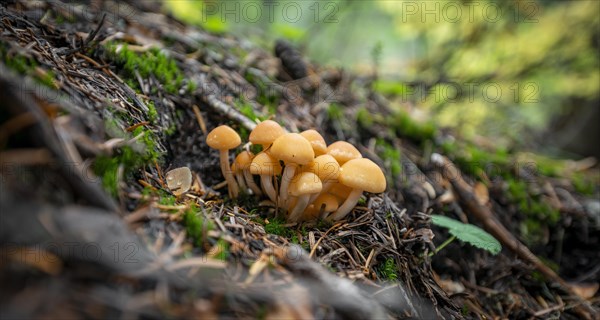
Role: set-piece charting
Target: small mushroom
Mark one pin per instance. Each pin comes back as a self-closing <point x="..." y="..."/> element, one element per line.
<point x="343" y="151"/>
<point x="267" y="167"/>
<point x="239" y="177"/>
<point x="327" y="168"/>
<point x="179" y="180"/>
<point x="224" y="138"/>
<point x="265" y="133"/>
<point x="361" y="175"/>
<point x="242" y="163"/>
<point x="316" y="141"/>
<point x="304" y="185"/>
<point x="322" y="206"/>
<point x="293" y="149"/>
<point x="340" y="191"/>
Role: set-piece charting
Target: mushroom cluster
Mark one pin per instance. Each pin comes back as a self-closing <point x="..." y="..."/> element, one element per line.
<point x="298" y="172"/>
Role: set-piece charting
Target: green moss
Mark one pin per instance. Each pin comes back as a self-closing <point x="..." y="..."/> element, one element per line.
<point x="148" y="63"/>
<point x="223" y="250"/>
<point x="391" y="88"/>
<point x="465" y="310"/>
<point x="191" y="86"/>
<point x="130" y="158"/>
<point x="364" y="117"/>
<point x="389" y="270"/>
<point x="149" y="139"/>
<point x="27" y="65"/>
<point x="246" y="109"/>
<point x="391" y="156"/>
<point x="405" y="126"/>
<point x="196" y="226"/>
<point x="152" y="113"/>
<point x="107" y="168"/>
<point x="324" y="224"/>
<point x="583" y="185"/>
<point x="167" y="199"/>
<point x="335" y="112"/>
<point x="276" y="227"/>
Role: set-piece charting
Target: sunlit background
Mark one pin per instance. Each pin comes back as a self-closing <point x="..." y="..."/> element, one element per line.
<point x="516" y="73"/>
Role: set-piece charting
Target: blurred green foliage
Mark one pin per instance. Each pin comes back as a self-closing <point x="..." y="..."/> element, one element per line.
<point x="485" y="67"/>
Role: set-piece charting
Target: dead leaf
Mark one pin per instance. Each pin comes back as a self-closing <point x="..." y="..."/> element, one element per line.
<point x="179" y="180"/>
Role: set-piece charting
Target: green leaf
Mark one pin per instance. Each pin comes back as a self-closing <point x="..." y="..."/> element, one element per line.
<point x="468" y="233"/>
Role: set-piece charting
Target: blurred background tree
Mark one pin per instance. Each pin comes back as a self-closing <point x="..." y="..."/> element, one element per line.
<point x="517" y="73"/>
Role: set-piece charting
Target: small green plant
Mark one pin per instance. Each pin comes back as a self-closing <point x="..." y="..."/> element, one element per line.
<point x="468" y="233"/>
<point x="389" y="270"/>
<point x="223" y="247"/>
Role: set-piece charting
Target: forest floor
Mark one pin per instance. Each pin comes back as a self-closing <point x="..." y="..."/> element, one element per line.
<point x="98" y="103"/>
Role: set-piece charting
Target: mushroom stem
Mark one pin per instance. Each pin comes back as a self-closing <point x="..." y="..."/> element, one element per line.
<point x="301" y="205"/>
<point x="326" y="186"/>
<point x="286" y="178"/>
<point x="226" y="170"/>
<point x="347" y="206"/>
<point x="239" y="176"/>
<point x="267" y="184"/>
<point x="250" y="181"/>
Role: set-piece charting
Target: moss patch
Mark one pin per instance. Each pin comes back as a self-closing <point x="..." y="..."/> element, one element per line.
<point x="151" y="63"/>
<point x="27" y="66"/>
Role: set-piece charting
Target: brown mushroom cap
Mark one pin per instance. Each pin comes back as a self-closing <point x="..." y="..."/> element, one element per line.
<point x="243" y="160"/>
<point x="223" y="138"/>
<point x="292" y="148"/>
<point x="305" y="183"/>
<point x="316" y="141"/>
<point x="264" y="164"/>
<point x="266" y="132"/>
<point x="343" y="151"/>
<point x="363" y="174"/>
<point x="325" y="166"/>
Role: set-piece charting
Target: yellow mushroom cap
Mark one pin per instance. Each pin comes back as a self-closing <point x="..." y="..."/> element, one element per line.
<point x="325" y="166"/>
<point x="223" y="138"/>
<point x="330" y="201"/>
<point x="292" y="148"/>
<point x="305" y="183"/>
<point x="243" y="160"/>
<point x="316" y="141"/>
<point x="340" y="191"/>
<point x="343" y="151"/>
<point x="264" y="164"/>
<point x="266" y="132"/>
<point x="363" y="174"/>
